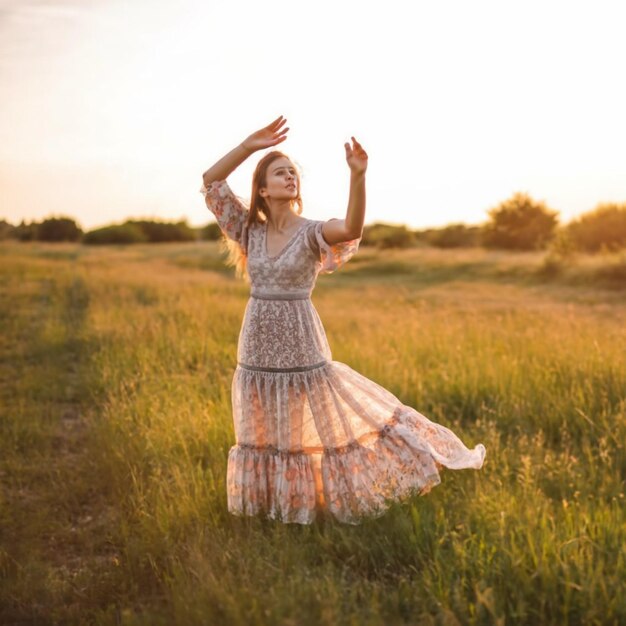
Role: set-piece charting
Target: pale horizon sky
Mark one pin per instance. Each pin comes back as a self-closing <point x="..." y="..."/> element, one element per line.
<point x="112" y="110"/>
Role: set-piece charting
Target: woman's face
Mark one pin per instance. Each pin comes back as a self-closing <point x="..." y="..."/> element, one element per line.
<point x="281" y="181"/>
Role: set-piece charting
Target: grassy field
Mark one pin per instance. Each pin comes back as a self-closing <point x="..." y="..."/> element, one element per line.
<point x="115" y="371"/>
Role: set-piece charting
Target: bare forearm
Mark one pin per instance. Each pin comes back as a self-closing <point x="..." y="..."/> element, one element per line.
<point x="336" y="230"/>
<point x="226" y="165"/>
<point x="355" y="215"/>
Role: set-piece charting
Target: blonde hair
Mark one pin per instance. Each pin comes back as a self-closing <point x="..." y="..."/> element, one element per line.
<point x="258" y="213"/>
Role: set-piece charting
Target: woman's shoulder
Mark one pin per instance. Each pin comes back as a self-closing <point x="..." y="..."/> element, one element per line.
<point x="311" y="229"/>
<point x="311" y="223"/>
<point x="307" y="221"/>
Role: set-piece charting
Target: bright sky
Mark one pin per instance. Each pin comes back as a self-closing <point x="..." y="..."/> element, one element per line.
<point x="113" y="109"/>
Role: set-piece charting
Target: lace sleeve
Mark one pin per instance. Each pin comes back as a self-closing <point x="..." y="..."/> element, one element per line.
<point x="332" y="257"/>
<point x="230" y="212"/>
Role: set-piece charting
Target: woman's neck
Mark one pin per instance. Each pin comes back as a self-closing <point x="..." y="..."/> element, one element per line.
<point x="282" y="218"/>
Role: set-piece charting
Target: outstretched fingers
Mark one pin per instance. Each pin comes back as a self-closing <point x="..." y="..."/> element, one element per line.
<point x="277" y="123"/>
<point x="280" y="137"/>
<point x="358" y="147"/>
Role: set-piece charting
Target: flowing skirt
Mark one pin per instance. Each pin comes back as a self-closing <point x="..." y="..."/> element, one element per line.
<point x="323" y="436"/>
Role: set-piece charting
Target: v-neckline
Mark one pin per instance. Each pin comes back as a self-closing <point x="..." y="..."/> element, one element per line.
<point x="292" y="238"/>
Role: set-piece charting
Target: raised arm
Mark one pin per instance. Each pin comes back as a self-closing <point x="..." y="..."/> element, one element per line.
<point x="268" y="136"/>
<point x="336" y="230"/>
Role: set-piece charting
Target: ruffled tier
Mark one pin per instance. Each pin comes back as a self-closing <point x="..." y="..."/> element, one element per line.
<point x="363" y="480"/>
<point x="388" y="451"/>
<point x="277" y="483"/>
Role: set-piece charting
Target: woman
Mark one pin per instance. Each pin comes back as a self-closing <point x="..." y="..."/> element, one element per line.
<point x="311" y="433"/>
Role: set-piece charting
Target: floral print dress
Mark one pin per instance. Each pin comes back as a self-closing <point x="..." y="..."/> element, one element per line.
<point x="311" y="433"/>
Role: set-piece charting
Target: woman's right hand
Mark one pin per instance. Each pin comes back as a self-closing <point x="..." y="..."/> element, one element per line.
<point x="266" y="137"/>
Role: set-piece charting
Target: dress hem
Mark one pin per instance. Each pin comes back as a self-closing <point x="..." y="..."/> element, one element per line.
<point x="358" y="480"/>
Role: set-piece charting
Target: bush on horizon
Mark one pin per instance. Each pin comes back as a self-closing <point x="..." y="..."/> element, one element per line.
<point x="388" y="236"/>
<point x="124" y="233"/>
<point x="59" y="229"/>
<point x="211" y="232"/>
<point x="604" y="228"/>
<point x="519" y="223"/>
<point x="457" y="235"/>
<point x="160" y="232"/>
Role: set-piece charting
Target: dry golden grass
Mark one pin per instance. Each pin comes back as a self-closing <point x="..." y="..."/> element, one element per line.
<point x="115" y="413"/>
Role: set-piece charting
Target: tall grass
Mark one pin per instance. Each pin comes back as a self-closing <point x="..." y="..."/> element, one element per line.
<point x="116" y="370"/>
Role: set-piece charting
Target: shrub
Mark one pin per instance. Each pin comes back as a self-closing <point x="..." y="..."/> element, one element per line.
<point x="454" y="236"/>
<point x="25" y="232"/>
<point x="519" y="223"/>
<point x="211" y="232"/>
<point x="7" y="230"/>
<point x="604" y="228"/>
<point x="126" y="233"/>
<point x="59" y="229"/>
<point x="159" y="232"/>
<point x="387" y="236"/>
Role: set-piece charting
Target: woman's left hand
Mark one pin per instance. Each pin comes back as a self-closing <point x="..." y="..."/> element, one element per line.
<point x="356" y="157"/>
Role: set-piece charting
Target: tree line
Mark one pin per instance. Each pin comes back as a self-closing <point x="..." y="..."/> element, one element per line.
<point x="518" y="223"/>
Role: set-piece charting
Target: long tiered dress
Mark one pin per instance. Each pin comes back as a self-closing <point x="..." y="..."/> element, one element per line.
<point x="311" y="433"/>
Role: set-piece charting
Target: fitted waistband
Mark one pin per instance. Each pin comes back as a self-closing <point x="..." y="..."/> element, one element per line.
<point x="303" y="368"/>
<point x="281" y="295"/>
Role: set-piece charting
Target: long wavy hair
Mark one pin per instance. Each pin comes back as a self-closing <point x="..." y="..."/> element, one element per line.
<point x="258" y="213"/>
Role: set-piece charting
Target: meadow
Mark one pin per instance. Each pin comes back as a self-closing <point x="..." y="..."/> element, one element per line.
<point x="115" y="372"/>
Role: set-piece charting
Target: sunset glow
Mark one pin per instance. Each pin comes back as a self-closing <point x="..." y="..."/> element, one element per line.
<point x="113" y="110"/>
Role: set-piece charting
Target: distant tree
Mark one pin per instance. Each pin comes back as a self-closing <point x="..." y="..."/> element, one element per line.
<point x="59" y="229"/>
<point x="454" y="236"/>
<point x="387" y="236"/>
<point x="519" y="223"/>
<point x="7" y="230"/>
<point x="26" y="232"/>
<point x="211" y="232"/>
<point x="124" y="234"/>
<point x="602" y="228"/>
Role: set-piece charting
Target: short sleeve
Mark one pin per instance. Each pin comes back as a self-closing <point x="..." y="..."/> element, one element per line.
<point x="230" y="212"/>
<point x="332" y="257"/>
